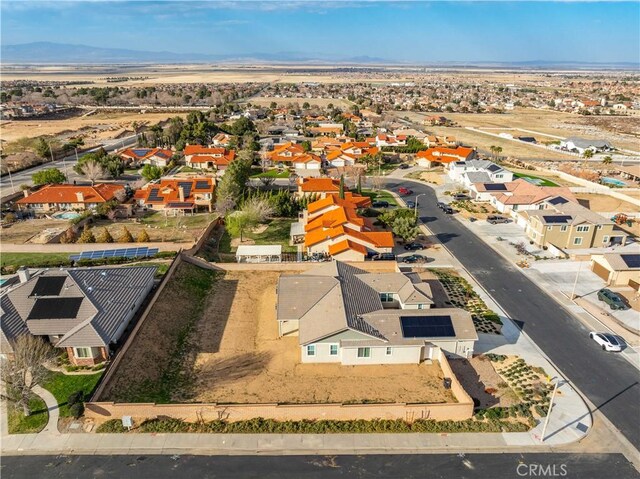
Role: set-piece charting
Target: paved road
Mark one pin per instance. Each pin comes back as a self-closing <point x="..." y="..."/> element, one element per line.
<point x="607" y="379"/>
<point x="453" y="466"/>
<point x="9" y="185"/>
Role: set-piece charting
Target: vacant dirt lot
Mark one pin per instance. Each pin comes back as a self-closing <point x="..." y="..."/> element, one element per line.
<point x="20" y="231"/>
<point x="240" y="359"/>
<point x="482" y="382"/>
<point x="605" y="203"/>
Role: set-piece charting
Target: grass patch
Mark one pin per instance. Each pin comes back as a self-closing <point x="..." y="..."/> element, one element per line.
<point x="277" y="232"/>
<point x="26" y="259"/>
<point x="275" y="173"/>
<point x="19" y="424"/>
<point x="385" y="168"/>
<point x="63" y="385"/>
<point x="537" y="180"/>
<point x="381" y="195"/>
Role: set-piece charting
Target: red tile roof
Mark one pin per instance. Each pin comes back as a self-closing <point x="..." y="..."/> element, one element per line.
<point x="100" y="193"/>
<point x="143" y="153"/>
<point x="315" y="185"/>
<point x="168" y="191"/>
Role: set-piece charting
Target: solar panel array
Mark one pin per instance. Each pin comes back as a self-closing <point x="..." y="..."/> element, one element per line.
<point x="631" y="260"/>
<point x="141" y="152"/>
<point x="427" y="326"/>
<point x="186" y="186"/>
<point x="202" y="185"/>
<point x="495" y="187"/>
<point x="179" y="204"/>
<point x="55" y="308"/>
<point x="558" y="200"/>
<point x="557" y="219"/>
<point x="153" y="195"/>
<point x="116" y="253"/>
<point x="48" y="286"/>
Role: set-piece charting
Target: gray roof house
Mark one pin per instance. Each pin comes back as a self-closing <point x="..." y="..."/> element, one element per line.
<point x="84" y="310"/>
<point x="583" y="144"/>
<point x="344" y="314"/>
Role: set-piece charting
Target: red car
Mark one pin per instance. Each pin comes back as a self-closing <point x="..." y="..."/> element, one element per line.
<point x="405" y="191"/>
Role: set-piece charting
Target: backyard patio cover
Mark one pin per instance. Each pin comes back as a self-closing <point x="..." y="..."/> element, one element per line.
<point x="265" y="253"/>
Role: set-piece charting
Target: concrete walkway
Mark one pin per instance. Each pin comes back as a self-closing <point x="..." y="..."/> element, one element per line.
<point x="51" y="429"/>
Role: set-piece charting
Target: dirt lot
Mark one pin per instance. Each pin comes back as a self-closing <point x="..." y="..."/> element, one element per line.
<point x="240" y="358"/>
<point x="605" y="203"/>
<point x="20" y="231"/>
<point x="482" y="382"/>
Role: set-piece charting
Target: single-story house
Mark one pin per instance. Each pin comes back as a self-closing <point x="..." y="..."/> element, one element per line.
<point x="147" y="156"/>
<point x="51" y="198"/>
<point x="82" y="310"/>
<point x="441" y="155"/>
<point x="580" y="145"/>
<point x="178" y="194"/>
<point x="517" y="195"/>
<point x="343" y="314"/>
<point x="320" y="187"/>
<point x="214" y="159"/>
<point x="617" y="269"/>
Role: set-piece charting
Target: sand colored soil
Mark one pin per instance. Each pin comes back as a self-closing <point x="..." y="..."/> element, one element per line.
<point x="21" y="231"/>
<point x="606" y="203"/>
<point x="241" y="359"/>
<point x="482" y="382"/>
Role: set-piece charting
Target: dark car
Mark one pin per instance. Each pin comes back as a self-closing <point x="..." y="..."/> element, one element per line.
<point x="405" y="191"/>
<point x="414" y="258"/>
<point x="614" y="300"/>
<point x="384" y="257"/>
<point x="413" y="246"/>
<point x="448" y="210"/>
<point x="380" y="204"/>
<point x="461" y="196"/>
<point x="410" y="204"/>
<point x="441" y="205"/>
<point x="495" y="219"/>
<point x="403" y="166"/>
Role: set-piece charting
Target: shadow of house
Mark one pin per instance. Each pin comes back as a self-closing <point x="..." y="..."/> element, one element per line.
<point x="472" y="383"/>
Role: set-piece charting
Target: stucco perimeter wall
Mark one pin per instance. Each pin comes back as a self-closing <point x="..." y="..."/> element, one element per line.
<point x="463" y="409"/>
<point x="371" y="266"/>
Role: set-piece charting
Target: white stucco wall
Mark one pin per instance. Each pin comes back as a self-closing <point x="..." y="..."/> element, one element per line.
<point x="399" y="355"/>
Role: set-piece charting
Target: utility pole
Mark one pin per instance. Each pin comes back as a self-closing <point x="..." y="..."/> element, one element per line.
<point x="575" y="283"/>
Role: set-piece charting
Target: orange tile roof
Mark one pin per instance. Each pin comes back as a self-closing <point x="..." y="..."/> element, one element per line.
<point x="100" y="193"/>
<point x="436" y="159"/>
<point x="344" y="245"/>
<point x="203" y="150"/>
<point x="381" y="239"/>
<point x="319" y="184"/>
<point x="227" y="157"/>
<point x="335" y="217"/>
<point x="144" y="153"/>
<point x="350" y="199"/>
<point x="168" y="190"/>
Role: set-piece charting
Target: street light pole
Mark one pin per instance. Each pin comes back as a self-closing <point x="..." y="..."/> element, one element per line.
<point x="575" y="283"/>
<point x="546" y="420"/>
<point x="415" y="207"/>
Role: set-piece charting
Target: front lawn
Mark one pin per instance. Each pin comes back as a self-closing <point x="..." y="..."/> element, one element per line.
<point x="15" y="260"/>
<point x="385" y="169"/>
<point x="381" y="195"/>
<point x="63" y="385"/>
<point x="275" y="173"/>
<point x="536" y="180"/>
<point x="19" y="424"/>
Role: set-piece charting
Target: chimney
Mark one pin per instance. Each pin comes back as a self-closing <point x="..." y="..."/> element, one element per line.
<point x="80" y="197"/>
<point x="181" y="193"/>
<point x="23" y="274"/>
<point x="26" y="192"/>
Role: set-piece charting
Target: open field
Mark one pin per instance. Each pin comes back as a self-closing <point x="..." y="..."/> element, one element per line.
<point x="20" y="231"/>
<point x="240" y="359"/>
<point x="605" y="203"/>
<point x="94" y="128"/>
<point x="321" y="102"/>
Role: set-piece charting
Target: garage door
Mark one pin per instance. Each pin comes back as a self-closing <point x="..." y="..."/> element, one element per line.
<point x="634" y="284"/>
<point x="601" y="271"/>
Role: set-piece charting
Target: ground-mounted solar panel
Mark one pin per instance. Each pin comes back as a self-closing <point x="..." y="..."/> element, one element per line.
<point x="152" y="251"/>
<point x="48" y="286"/>
<point x="427" y="326"/>
<point x="495" y="187"/>
<point x="55" y="308"/>
<point x="558" y="200"/>
<point x="557" y="219"/>
<point x="631" y="260"/>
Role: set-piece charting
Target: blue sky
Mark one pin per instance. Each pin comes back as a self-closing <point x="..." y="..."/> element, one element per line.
<point x="403" y="31"/>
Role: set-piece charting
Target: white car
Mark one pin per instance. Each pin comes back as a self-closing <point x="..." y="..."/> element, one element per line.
<point x="608" y="341"/>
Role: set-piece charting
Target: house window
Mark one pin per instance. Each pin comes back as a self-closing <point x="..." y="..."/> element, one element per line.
<point x="549" y="228"/>
<point x="82" y="353"/>
<point x="422" y="306"/>
<point x="599" y="227"/>
<point x="605" y="239"/>
<point x="564" y="228"/>
<point x="364" y="352"/>
<point x="582" y="229"/>
<point x="333" y="350"/>
<point x="577" y="241"/>
<point x="386" y="297"/>
<point x="311" y="350"/>
<point x="389" y="351"/>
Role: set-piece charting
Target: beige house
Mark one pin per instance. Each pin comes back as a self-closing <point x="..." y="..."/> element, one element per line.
<point x="618" y="269"/>
<point x="343" y="314"/>
<point x="568" y="225"/>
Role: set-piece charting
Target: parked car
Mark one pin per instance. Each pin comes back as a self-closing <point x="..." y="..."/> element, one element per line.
<point x="410" y="204"/>
<point x="608" y="341"/>
<point x="614" y="300"/>
<point x="441" y="205"/>
<point x="414" y="258"/>
<point x="384" y="257"/>
<point x="414" y="246"/>
<point x="405" y="191"/>
<point x="380" y="204"/>
<point x="495" y="219"/>
<point x="461" y="197"/>
<point x="403" y="166"/>
<point x="448" y="210"/>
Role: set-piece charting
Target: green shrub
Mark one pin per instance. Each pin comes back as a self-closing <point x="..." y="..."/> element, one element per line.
<point x="75" y="397"/>
<point x="111" y="426"/>
<point x="76" y="410"/>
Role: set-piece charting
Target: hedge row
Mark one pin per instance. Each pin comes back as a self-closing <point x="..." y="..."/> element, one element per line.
<point x="261" y="425"/>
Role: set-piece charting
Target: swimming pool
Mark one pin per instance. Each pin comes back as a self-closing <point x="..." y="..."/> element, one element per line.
<point x="68" y="215"/>
<point x="612" y="181"/>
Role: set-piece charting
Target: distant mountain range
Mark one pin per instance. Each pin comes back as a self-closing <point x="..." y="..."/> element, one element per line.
<point x="61" y="53"/>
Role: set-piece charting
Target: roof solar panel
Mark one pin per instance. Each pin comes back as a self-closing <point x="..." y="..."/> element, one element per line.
<point x="154" y="195"/>
<point x="186" y="186"/>
<point x="558" y="200"/>
<point x="48" y="286"/>
<point x="202" y="185"/>
<point x="557" y="219"/>
<point x="55" y="308"/>
<point x="141" y="151"/>
<point x="631" y="260"/>
<point x="427" y="326"/>
<point x="495" y="187"/>
<point x="178" y="204"/>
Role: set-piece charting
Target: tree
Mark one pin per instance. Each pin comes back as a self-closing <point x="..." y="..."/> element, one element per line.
<point x="254" y="211"/>
<point x="405" y="228"/>
<point x="151" y="172"/>
<point x="104" y="236"/>
<point x="87" y="235"/>
<point x="234" y="182"/>
<point x="26" y="371"/>
<point x="143" y="237"/>
<point x="43" y="150"/>
<point x="125" y="236"/>
<point x="49" y="176"/>
<point x="359" y="186"/>
<point x="341" y="191"/>
<point x="93" y="171"/>
<point x="588" y="154"/>
<point x="69" y="236"/>
<point x="607" y="160"/>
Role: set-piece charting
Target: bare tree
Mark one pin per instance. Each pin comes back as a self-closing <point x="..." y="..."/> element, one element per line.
<point x="93" y="171"/>
<point x="26" y="371"/>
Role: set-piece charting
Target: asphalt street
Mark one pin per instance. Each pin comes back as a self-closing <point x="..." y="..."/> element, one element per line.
<point x="450" y="466"/>
<point x="11" y="184"/>
<point x="607" y="379"/>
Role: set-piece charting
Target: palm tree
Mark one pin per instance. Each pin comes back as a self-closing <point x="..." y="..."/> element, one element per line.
<point x="588" y="154"/>
<point x="607" y="160"/>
